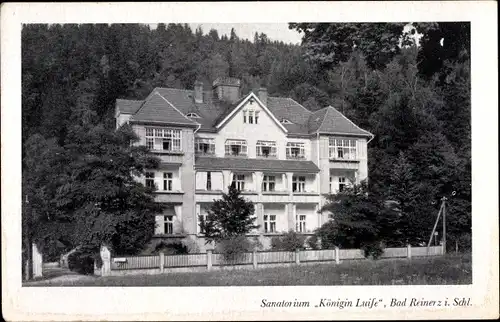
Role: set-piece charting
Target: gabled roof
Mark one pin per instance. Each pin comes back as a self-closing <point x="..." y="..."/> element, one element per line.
<point x="243" y="164"/>
<point x="241" y="103"/>
<point x="158" y="109"/>
<point x="171" y="105"/>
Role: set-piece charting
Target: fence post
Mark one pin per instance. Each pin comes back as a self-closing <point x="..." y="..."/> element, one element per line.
<point x="337" y="255"/>
<point x="162" y="262"/>
<point x="408" y="251"/>
<point x="254" y="259"/>
<point x="297" y="256"/>
<point x="443" y="249"/>
<point x="106" y="261"/>
<point x="209" y="259"/>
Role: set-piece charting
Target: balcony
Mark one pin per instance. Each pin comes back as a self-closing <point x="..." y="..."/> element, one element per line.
<point x="349" y="164"/>
<point x="169" y="196"/>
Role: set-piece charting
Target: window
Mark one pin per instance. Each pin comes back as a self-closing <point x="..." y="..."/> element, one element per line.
<point x="202" y="217"/>
<point x="239" y="182"/>
<point x="343" y="149"/>
<point x="163" y="139"/>
<point x="209" y="181"/>
<point x="168" y="225"/>
<point x="268" y="183"/>
<point x="167" y="181"/>
<point x="295" y="150"/>
<point x="298" y="183"/>
<point x="266" y="149"/>
<point x="342" y="184"/>
<point x="251" y="117"/>
<point x="301" y="223"/>
<point x="269" y="223"/>
<point x="204" y="146"/>
<point x="150" y="180"/>
<point x="236" y="147"/>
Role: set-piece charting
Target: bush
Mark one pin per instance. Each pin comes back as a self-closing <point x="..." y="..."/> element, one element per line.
<point x="313" y="242"/>
<point x="81" y="262"/>
<point x="233" y="248"/>
<point x="170" y="248"/>
<point x="373" y="250"/>
<point x="288" y="242"/>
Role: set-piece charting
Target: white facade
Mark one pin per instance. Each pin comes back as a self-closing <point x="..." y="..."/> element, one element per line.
<point x="285" y="197"/>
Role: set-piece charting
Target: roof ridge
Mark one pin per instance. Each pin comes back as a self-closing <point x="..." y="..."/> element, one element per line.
<point x="350" y="121"/>
<point x="324" y="118"/>
<point x="177" y="89"/>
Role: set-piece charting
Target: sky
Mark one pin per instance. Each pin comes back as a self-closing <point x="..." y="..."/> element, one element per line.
<point x="274" y="31"/>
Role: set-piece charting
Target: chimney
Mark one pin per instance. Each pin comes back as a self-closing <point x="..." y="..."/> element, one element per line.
<point x="227" y="89"/>
<point x="262" y="95"/>
<point x="198" y="92"/>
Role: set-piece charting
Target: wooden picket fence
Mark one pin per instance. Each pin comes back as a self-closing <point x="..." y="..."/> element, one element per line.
<point x="209" y="260"/>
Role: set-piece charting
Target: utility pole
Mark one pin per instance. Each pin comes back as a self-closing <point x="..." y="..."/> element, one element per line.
<point x="444" y="223"/>
<point x="442" y="210"/>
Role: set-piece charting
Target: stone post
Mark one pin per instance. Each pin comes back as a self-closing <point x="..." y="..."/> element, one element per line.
<point x="37" y="261"/>
<point x="254" y="259"/>
<point x="408" y="251"/>
<point x="297" y="256"/>
<point x="337" y="255"/>
<point x="209" y="259"/>
<point x="162" y="262"/>
<point x="106" y="261"/>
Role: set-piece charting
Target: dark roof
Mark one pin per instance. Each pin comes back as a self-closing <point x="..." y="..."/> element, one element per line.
<point x="157" y="109"/>
<point x="128" y="106"/>
<point x="316" y="119"/>
<point x="335" y="122"/>
<point x="243" y="164"/>
<point x="180" y="102"/>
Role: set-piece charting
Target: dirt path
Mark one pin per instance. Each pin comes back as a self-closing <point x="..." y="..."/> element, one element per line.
<point x="58" y="275"/>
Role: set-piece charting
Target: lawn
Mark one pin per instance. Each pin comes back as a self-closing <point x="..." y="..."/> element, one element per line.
<point x="450" y="269"/>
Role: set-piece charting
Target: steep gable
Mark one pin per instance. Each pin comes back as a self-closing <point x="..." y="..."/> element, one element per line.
<point x="242" y="103"/>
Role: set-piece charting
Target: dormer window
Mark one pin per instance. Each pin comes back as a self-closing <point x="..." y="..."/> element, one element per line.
<point x="285" y="121"/>
<point x="193" y="115"/>
<point x="235" y="148"/>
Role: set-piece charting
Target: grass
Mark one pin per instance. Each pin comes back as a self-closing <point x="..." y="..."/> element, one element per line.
<point x="450" y="269"/>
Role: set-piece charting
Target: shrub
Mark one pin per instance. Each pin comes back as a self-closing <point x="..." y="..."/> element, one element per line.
<point x="289" y="242"/>
<point x="81" y="262"/>
<point x="233" y="248"/>
<point x="170" y="248"/>
<point x="313" y="242"/>
<point x="373" y="250"/>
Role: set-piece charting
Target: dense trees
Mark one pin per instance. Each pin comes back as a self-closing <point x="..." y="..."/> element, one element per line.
<point x="416" y="100"/>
